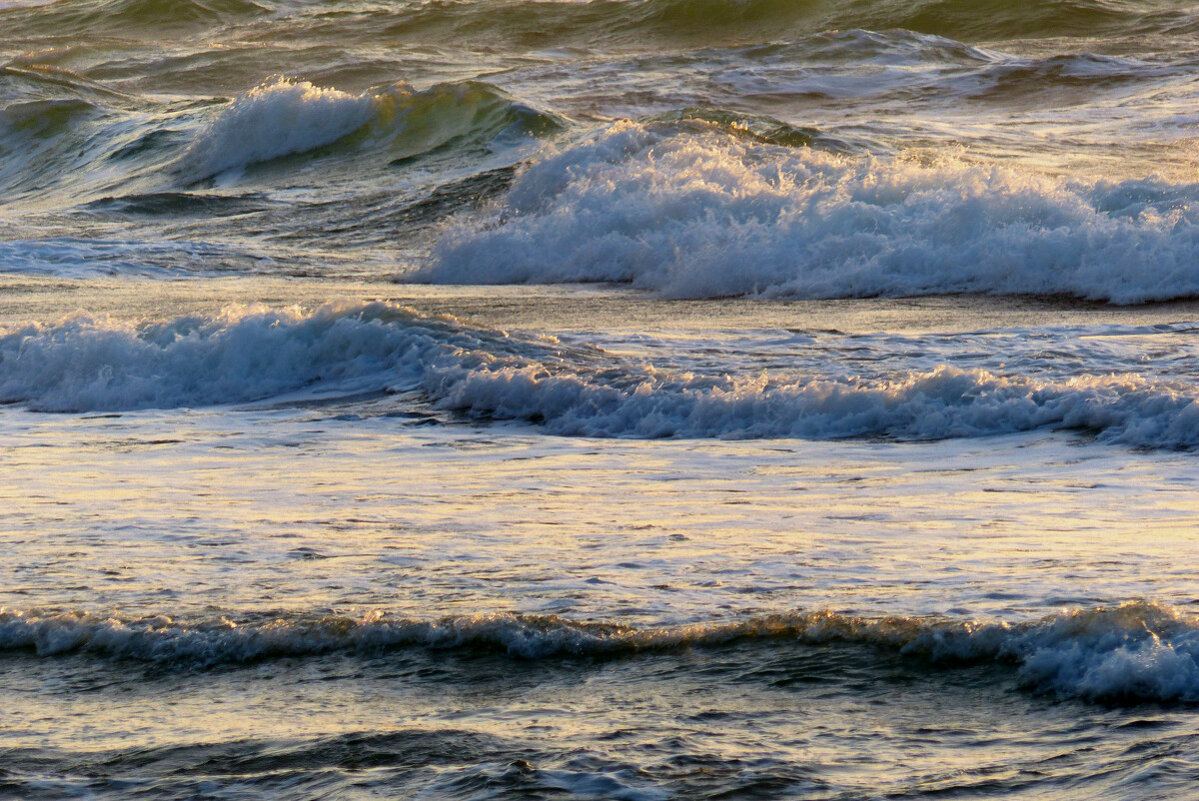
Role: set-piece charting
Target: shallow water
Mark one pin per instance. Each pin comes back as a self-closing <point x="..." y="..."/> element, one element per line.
<point x="607" y="399"/>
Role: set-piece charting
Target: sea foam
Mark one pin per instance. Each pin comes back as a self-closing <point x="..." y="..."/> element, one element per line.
<point x="252" y="353"/>
<point x="245" y="353"/>
<point x="285" y="117"/>
<point x="1131" y="652"/>
<point x="687" y="213"/>
<point x="274" y="119"/>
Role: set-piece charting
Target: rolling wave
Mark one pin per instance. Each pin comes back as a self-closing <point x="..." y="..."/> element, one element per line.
<point x="43" y="119"/>
<point x="159" y="16"/>
<point x="242" y="355"/>
<point x="517" y="22"/>
<point x="913" y="67"/>
<point x="1136" y="651"/>
<point x="284" y="117"/>
<point x="980" y="20"/>
<point x="249" y="354"/>
<point x="695" y="214"/>
<point x="274" y="120"/>
<point x="712" y="21"/>
<point x="60" y="131"/>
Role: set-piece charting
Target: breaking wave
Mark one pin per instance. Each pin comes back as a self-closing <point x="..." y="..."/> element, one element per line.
<point x="695" y="214"/>
<point x="284" y="117"/>
<point x="273" y="120"/>
<point x="247" y="354"/>
<point x="244" y="354"/>
<point x="1135" y="651"/>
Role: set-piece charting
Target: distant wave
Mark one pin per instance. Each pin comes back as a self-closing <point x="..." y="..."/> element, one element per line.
<point x="688" y="213"/>
<point x="284" y="117"/>
<point x="702" y="21"/>
<point x="90" y="16"/>
<point x="615" y="21"/>
<point x="248" y="354"/>
<point x="70" y="257"/>
<point x="914" y="67"/>
<point x="1135" y="651"/>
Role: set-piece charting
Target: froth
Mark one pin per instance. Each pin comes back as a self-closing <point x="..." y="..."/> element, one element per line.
<point x="694" y="214"/>
<point x="1134" y="651"/>
<point x="249" y="353"/>
<point x="245" y="353"/>
<point x="286" y="117"/>
<point x="272" y="120"/>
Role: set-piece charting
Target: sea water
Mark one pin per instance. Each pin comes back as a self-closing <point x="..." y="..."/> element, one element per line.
<point x="630" y="399"/>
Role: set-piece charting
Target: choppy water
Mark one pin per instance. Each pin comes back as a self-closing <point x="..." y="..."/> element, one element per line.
<point x="620" y="399"/>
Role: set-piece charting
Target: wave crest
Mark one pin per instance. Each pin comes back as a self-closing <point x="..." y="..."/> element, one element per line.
<point x="285" y="117"/>
<point x="1134" y="651"/>
<point x="702" y="214"/>
<point x="273" y="120"/>
<point x="247" y="354"/>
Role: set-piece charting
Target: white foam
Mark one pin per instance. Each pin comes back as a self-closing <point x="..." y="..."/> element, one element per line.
<point x="942" y="403"/>
<point x="1135" y="651"/>
<point x="86" y="362"/>
<point x="700" y="214"/>
<point x="274" y="119"/>
<point x="248" y="353"/>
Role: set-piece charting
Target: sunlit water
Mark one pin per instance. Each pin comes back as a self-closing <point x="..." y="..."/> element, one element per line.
<point x="614" y="399"/>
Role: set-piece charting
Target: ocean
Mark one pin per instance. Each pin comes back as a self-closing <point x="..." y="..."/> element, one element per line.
<point x="609" y="399"/>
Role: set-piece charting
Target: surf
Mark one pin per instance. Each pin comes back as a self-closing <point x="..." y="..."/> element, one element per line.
<point x="1132" y="652"/>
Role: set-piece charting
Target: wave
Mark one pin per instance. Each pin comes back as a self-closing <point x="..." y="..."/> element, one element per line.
<point x="253" y="353"/>
<point x="1082" y="75"/>
<point x="69" y="257"/>
<point x="754" y="128"/>
<point x="165" y="204"/>
<point x="703" y="214"/>
<point x="1134" y="651"/>
<point x="243" y="354"/>
<point x="42" y="119"/>
<point x="973" y="19"/>
<point x="284" y="117"/>
<point x="470" y="112"/>
<point x="642" y="24"/>
<point x="42" y="104"/>
<point x="516" y="23"/>
<point x="908" y="66"/>
<point x="273" y="120"/>
<point x="59" y="130"/>
<point x="161" y="16"/>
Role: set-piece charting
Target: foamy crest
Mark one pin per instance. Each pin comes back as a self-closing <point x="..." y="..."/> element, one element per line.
<point x="1135" y="651"/>
<point x="245" y="354"/>
<point x="942" y="403"/>
<point x="272" y="120"/>
<point x="692" y="214"/>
